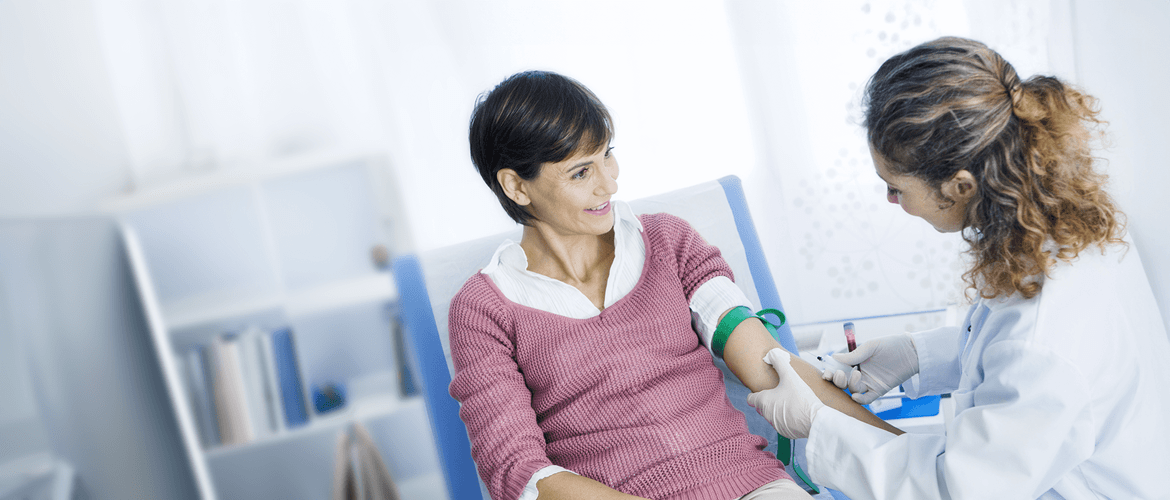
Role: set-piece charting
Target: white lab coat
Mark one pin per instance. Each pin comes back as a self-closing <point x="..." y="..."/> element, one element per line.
<point x="1063" y="395"/>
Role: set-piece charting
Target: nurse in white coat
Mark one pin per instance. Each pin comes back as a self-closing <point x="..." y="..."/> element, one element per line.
<point x="1059" y="372"/>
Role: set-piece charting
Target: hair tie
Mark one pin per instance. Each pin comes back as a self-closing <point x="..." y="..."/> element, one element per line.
<point x="1015" y="94"/>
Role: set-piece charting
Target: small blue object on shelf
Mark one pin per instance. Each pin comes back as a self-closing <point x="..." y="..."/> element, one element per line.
<point x="328" y="397"/>
<point x="922" y="407"/>
<point x="291" y="392"/>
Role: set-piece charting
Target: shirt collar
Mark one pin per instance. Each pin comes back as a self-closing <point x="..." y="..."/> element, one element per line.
<point x="623" y="214"/>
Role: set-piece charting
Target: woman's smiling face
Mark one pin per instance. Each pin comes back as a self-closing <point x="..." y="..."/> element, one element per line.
<point x="572" y="197"/>
<point x="917" y="198"/>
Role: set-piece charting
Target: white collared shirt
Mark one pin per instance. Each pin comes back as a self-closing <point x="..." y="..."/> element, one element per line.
<point x="508" y="269"/>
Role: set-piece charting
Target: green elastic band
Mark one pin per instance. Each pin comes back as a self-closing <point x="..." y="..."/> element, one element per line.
<point x="784" y="452"/>
<point x="770" y="325"/>
<point x="718" y="341"/>
<point x="783" y="449"/>
<point x="784" y="446"/>
<point x="736" y="316"/>
<point x="727" y="325"/>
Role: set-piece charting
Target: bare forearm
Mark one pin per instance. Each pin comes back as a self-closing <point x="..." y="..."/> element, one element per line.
<point x="836" y="398"/>
<point x="569" y="486"/>
<point x="744" y="353"/>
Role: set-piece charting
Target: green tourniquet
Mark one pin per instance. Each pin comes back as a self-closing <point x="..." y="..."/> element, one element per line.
<point x="719" y="341"/>
<point x="727" y="325"/>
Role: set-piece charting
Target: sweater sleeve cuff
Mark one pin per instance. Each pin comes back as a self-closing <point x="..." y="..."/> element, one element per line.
<point x="530" y="492"/>
<point x="711" y="300"/>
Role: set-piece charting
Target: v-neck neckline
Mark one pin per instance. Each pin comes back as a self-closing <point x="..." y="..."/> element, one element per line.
<point x="601" y="312"/>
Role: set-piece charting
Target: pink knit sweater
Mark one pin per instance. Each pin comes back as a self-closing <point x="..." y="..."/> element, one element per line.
<point x="629" y="398"/>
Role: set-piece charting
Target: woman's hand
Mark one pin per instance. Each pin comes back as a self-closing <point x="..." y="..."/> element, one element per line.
<point x="791" y="406"/>
<point x="881" y="365"/>
<point x="569" y="486"/>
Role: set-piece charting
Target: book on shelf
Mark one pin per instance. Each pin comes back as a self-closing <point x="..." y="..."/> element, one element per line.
<point x="292" y="394"/>
<point x="252" y="371"/>
<point x="244" y="386"/>
<point x="271" y="383"/>
<point x="235" y="422"/>
<point x="199" y="386"/>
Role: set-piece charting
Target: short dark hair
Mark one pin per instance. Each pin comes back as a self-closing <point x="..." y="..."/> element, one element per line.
<point x="531" y="118"/>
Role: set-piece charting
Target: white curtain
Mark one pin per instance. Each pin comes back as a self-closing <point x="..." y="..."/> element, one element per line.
<point x="227" y="85"/>
<point x="212" y="88"/>
<point x="762" y="89"/>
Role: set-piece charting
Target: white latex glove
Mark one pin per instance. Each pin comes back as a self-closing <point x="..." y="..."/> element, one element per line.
<point x="790" y="406"/>
<point x="879" y="365"/>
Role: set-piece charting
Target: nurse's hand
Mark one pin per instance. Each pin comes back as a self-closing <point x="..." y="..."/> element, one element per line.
<point x="880" y="365"/>
<point x="790" y="406"/>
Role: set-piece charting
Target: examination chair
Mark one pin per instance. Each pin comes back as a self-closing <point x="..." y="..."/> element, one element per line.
<point x="427" y="282"/>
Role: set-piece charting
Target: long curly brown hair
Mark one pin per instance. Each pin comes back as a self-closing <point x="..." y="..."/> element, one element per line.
<point x="954" y="104"/>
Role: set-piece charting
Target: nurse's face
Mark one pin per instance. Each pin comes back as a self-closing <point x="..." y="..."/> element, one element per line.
<point x="917" y="198"/>
<point x="572" y="197"/>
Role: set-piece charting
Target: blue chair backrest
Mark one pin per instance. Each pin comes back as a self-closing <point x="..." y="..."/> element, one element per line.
<point x="427" y="282"/>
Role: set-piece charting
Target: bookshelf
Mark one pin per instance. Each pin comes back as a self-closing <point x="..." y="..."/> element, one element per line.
<point x="229" y="265"/>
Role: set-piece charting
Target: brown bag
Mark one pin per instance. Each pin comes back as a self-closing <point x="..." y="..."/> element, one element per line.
<point x="358" y="470"/>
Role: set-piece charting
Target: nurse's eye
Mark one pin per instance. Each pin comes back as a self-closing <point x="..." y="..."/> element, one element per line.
<point x="892" y="194"/>
<point x="609" y="152"/>
<point x="580" y="174"/>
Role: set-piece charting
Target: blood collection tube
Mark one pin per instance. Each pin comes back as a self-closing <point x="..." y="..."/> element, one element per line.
<point x="849" y="337"/>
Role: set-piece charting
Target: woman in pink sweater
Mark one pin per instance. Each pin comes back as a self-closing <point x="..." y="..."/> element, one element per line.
<point x="578" y="368"/>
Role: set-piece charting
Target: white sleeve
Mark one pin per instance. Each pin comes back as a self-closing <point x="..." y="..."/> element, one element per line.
<point x="938" y="362"/>
<point x="530" y="492"/>
<point x="711" y="300"/>
<point x="1023" y="430"/>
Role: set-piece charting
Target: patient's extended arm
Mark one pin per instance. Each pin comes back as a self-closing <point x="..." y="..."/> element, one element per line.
<point x="569" y="486"/>
<point x="744" y="354"/>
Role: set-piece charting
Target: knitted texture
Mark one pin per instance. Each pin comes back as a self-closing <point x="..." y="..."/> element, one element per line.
<point x="629" y="398"/>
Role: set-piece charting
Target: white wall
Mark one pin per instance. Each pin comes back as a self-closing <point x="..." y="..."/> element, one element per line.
<point x="1122" y="57"/>
<point x="66" y="288"/>
<point x="61" y="148"/>
<point x="60" y="153"/>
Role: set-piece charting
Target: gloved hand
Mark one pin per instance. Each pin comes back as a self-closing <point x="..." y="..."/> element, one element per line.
<point x="880" y="365"/>
<point x="790" y="406"/>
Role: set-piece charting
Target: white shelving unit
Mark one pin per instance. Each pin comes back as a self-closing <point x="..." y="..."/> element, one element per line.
<point x="286" y="246"/>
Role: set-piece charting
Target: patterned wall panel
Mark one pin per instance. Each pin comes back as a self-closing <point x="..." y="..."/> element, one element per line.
<point x="838" y="249"/>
